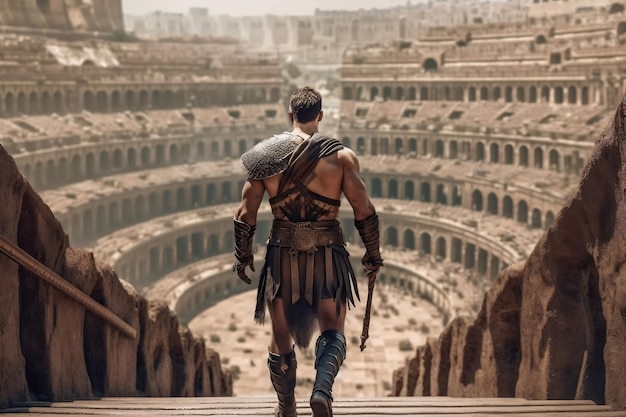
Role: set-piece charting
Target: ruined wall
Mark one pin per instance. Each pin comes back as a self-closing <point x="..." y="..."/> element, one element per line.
<point x="52" y="349"/>
<point x="553" y="327"/>
<point x="95" y="15"/>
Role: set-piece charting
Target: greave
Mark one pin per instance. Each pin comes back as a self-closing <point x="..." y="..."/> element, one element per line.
<point x="330" y="352"/>
<point x="283" y="376"/>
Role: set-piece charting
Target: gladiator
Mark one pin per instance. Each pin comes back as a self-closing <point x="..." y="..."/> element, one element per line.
<point x="307" y="281"/>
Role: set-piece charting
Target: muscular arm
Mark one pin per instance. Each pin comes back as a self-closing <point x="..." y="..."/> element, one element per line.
<point x="251" y="197"/>
<point x="353" y="187"/>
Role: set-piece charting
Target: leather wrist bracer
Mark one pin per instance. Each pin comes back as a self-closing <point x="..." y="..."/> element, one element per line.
<point x="370" y="234"/>
<point x="244" y="235"/>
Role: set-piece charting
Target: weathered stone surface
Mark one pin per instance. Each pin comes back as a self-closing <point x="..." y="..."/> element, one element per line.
<point x="12" y="371"/>
<point x="93" y="15"/>
<point x="553" y="327"/>
<point x="154" y="364"/>
<point x="51" y="349"/>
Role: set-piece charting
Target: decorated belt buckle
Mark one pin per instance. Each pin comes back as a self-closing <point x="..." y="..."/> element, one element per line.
<point x="304" y="238"/>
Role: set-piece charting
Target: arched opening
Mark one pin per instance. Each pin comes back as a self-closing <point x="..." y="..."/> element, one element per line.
<point x="21" y="103"/>
<point x="523" y="156"/>
<point x="105" y="163"/>
<point x="399" y="93"/>
<point x="539" y="158"/>
<point x="425" y="192"/>
<point x="508" y="94"/>
<point x="360" y="146"/>
<point x="471" y="93"/>
<point x="621" y="28"/>
<point x="145" y="157"/>
<point x="424" y="93"/>
<point x="57" y="100"/>
<point x="507" y="207"/>
<point x="425" y="243"/>
<point x="117" y="159"/>
<point x="409" y="239"/>
<point x="377" y="188"/>
<point x="545" y="94"/>
<point x="484" y="94"/>
<point x="480" y="151"/>
<point x="243" y="146"/>
<point x="393" y="188"/>
<point x="555" y="163"/>
<point x="102" y="101"/>
<point x="347" y="93"/>
<point x="457" y="198"/>
<point x="584" y="96"/>
<point x="549" y="219"/>
<point x="442" y="248"/>
<point x="477" y="200"/>
<point x="497" y="93"/>
<point x="409" y="190"/>
<point x="492" y="204"/>
<point x="521" y="94"/>
<point x="572" y="95"/>
<point x="522" y="212"/>
<point x="616" y="8"/>
<point x="392" y="237"/>
<point x="458" y="94"/>
<point x="33" y="103"/>
<point x="174" y="154"/>
<point x="439" y="149"/>
<point x="454" y="149"/>
<point x="412" y="93"/>
<point x="9" y="104"/>
<point x="131" y="157"/>
<point x="227" y="195"/>
<point x="143" y="99"/>
<point x="532" y="94"/>
<point x="442" y="198"/>
<point x="540" y="40"/>
<point x="399" y="146"/>
<point x="373" y="93"/>
<point x="430" y="64"/>
<point x="44" y="6"/>
<point x="116" y="101"/>
<point x="494" y="153"/>
<point x="386" y="93"/>
<point x="46" y="107"/>
<point x="156" y="99"/>
<point x="558" y="95"/>
<point x="425" y="146"/>
<point x="76" y="167"/>
<point x="536" y="219"/>
<point x="508" y="155"/>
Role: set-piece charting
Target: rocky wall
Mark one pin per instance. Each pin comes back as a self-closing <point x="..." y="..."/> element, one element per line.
<point x="53" y="349"/>
<point x="553" y="327"/>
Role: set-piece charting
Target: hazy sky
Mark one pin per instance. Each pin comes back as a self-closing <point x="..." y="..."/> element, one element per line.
<point x="256" y="7"/>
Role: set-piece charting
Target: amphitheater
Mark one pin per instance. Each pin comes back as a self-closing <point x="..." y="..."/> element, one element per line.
<point x="471" y="139"/>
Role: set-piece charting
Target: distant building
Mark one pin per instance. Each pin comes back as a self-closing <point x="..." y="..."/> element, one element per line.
<point x="543" y="8"/>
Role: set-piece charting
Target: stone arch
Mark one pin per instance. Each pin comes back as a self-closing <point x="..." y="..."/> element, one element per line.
<point x="373" y="93"/>
<point x="532" y="94"/>
<point x="169" y="99"/>
<point x="347" y="93"/>
<point x="559" y="95"/>
<point x="116" y="101"/>
<point x="227" y="194"/>
<point x="51" y="178"/>
<point x="130" y="99"/>
<point x="409" y="190"/>
<point x="541" y="39"/>
<point x="523" y="156"/>
<point x="442" y="248"/>
<point x="549" y="219"/>
<point x="174" y="154"/>
<point x="621" y="28"/>
<point x="399" y="146"/>
<point x="117" y="159"/>
<point x="46" y="103"/>
<point x="441" y="197"/>
<point x="430" y="64"/>
<point x="144" y="99"/>
<point x="425" y="243"/>
<point x="480" y="151"/>
<point x="584" y="95"/>
<point x="572" y="95"/>
<point x="145" y="157"/>
<point x="89" y="101"/>
<point x="131" y="159"/>
<point x="409" y="239"/>
<point x="399" y="93"/>
<point x="457" y="197"/>
<point x="497" y="93"/>
<point x="76" y="166"/>
<point x="453" y="149"/>
<point x="494" y="153"/>
<point x="521" y="94"/>
<point x="105" y="162"/>
<point x="384" y="146"/>
<point x="387" y="93"/>
<point x="471" y="94"/>
<point x="545" y="94"/>
<point x="555" y="161"/>
<point x="616" y="8"/>
<point x="102" y="101"/>
<point x="484" y="94"/>
<point x="156" y="99"/>
<point x="393" y="188"/>
<point x="508" y="94"/>
<point x="522" y="212"/>
<point x="492" y="204"/>
<point x="360" y="146"/>
<point x="507" y="207"/>
<point x="57" y="102"/>
<point x="392" y="236"/>
<point x="439" y="148"/>
<point x="411" y="93"/>
<point x="21" y="102"/>
<point x="181" y="198"/>
<point x="90" y="165"/>
<point x="477" y="200"/>
<point x="459" y="93"/>
<point x="424" y="95"/>
<point x="538" y="158"/>
<point x="508" y="154"/>
<point x="33" y="103"/>
<point x="536" y="219"/>
<point x="425" y="192"/>
<point x="9" y="103"/>
<point x="377" y="188"/>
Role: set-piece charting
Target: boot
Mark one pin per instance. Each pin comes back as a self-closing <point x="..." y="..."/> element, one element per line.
<point x="330" y="352"/>
<point x="283" y="375"/>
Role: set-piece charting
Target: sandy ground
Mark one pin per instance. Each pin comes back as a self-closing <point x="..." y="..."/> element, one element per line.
<point x="229" y="328"/>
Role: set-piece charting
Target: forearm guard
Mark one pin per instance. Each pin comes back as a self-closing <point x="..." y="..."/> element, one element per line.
<point x="370" y="234"/>
<point x="244" y="235"/>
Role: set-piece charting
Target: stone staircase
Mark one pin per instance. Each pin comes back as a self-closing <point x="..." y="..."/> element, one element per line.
<point x="264" y="406"/>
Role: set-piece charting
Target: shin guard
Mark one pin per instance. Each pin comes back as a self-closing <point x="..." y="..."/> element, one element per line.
<point x="283" y="376"/>
<point x="330" y="352"/>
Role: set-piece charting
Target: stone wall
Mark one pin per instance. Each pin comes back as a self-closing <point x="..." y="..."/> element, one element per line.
<point x="96" y="15"/>
<point x="52" y="349"/>
<point x="553" y="327"/>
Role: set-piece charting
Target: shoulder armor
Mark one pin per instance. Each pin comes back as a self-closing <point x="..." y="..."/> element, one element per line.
<point x="270" y="157"/>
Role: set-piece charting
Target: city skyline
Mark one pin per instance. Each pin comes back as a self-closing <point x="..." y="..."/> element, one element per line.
<point x="246" y="8"/>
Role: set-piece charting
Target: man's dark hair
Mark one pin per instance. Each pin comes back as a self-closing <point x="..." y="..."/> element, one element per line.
<point x="305" y="104"/>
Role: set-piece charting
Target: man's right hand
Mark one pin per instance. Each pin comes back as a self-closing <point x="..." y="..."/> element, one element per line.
<point x="371" y="267"/>
<point x="240" y="268"/>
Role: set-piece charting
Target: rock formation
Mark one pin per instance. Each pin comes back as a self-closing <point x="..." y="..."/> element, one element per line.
<point x="553" y="327"/>
<point x="95" y="15"/>
<point x="52" y="349"/>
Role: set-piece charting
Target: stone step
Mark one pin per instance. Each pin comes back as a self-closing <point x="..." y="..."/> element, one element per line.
<point x="264" y="407"/>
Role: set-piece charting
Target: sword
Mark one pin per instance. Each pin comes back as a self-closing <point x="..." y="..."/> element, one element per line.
<point x="368" y="309"/>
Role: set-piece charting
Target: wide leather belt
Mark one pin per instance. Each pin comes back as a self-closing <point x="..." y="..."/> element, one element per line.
<point x="307" y="237"/>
